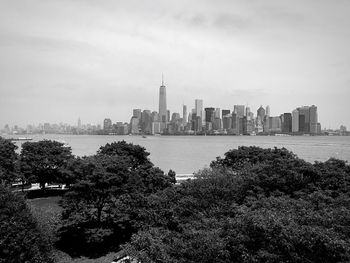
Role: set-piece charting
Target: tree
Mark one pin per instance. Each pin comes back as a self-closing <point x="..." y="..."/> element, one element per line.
<point x="8" y="158"/>
<point x="101" y="207"/>
<point x="21" y="240"/>
<point x="137" y="154"/>
<point x="44" y="161"/>
<point x="255" y="205"/>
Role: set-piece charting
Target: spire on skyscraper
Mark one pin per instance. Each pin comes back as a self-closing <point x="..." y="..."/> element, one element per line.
<point x="162" y="79"/>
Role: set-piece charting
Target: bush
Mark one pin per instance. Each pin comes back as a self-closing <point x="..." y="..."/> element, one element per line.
<point x="21" y="240"/>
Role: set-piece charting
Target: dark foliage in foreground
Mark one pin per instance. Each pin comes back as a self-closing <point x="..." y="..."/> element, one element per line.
<point x="101" y="207"/>
<point x="254" y="205"/>
<point x="21" y="240"/>
<point x="8" y="158"/>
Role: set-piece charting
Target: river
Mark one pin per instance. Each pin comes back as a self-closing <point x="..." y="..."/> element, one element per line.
<point x="187" y="154"/>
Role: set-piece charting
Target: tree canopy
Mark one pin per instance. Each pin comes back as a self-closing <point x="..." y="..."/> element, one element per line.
<point x="44" y="161"/>
<point x="8" y="158"/>
<point x="100" y="209"/>
<point x="254" y="205"/>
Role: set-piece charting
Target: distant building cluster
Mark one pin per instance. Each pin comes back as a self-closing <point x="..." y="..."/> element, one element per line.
<point x="200" y="120"/>
<point x="48" y="128"/>
<point x="210" y="120"/>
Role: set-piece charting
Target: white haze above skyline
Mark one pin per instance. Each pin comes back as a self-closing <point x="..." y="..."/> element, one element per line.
<point x="61" y="60"/>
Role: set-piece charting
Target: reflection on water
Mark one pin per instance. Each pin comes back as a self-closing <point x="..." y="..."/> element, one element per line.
<point x="186" y="154"/>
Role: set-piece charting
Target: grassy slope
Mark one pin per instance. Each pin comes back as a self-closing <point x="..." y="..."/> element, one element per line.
<point x="47" y="211"/>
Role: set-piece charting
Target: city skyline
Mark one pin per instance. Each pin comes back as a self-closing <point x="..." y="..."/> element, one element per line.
<point x="67" y="59"/>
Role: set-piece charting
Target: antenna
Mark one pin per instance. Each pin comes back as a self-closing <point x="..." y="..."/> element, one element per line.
<point x="162" y="79"/>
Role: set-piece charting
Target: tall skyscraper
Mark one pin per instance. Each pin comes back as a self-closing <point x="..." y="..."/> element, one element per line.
<point x="239" y="110"/>
<point x="107" y="124"/>
<point x="163" y="114"/>
<point x="136" y="113"/>
<point x="225" y="112"/>
<point x="295" y="120"/>
<point x="304" y="119"/>
<point x="184" y="114"/>
<point x="268" y="110"/>
<point x="261" y="113"/>
<point x="217" y="113"/>
<point x="209" y="114"/>
<point x="198" y="104"/>
<point x="313" y="119"/>
<point x="287" y="122"/>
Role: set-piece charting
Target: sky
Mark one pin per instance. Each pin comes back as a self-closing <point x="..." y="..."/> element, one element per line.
<point x="64" y="59"/>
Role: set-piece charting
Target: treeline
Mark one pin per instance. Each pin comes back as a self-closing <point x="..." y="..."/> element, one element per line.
<point x="252" y="205"/>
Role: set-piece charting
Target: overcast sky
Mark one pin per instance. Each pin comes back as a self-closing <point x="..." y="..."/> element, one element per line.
<point x="60" y="59"/>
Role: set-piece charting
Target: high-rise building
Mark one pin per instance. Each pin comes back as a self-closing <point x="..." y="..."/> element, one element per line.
<point x="275" y="124"/>
<point x="217" y="113"/>
<point x="146" y="121"/>
<point x="304" y="119"/>
<point x="107" y="124"/>
<point x="225" y="112"/>
<point x="155" y="116"/>
<point x="247" y="112"/>
<point x="261" y="113"/>
<point x="198" y="105"/>
<point x="267" y="112"/>
<point x="136" y="113"/>
<point x="295" y="120"/>
<point x="287" y="122"/>
<point x="184" y="114"/>
<point x="239" y="110"/>
<point x="313" y="119"/>
<point x="163" y="114"/>
<point x="134" y="125"/>
<point x="209" y="114"/>
<point x="227" y="121"/>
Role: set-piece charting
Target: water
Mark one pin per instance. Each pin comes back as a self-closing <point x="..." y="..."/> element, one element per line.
<point x="187" y="154"/>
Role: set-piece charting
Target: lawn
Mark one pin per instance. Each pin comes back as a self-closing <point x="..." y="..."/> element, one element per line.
<point x="47" y="211"/>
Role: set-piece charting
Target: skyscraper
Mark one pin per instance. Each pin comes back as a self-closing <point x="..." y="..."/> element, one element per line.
<point x="184" y="114"/>
<point x="268" y="110"/>
<point x="295" y="120"/>
<point x="304" y="119"/>
<point x="239" y="110"/>
<point x="313" y="119"/>
<point x="209" y="114"/>
<point x="163" y="114"/>
<point x="198" y="104"/>
<point x="261" y="113"/>
<point x="136" y="113"/>
<point x="225" y="112"/>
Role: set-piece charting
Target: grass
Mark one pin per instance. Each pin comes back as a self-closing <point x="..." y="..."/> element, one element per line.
<point x="48" y="213"/>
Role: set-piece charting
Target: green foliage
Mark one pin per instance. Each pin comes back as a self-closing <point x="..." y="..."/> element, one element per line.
<point x="136" y="154"/>
<point x="101" y="207"/>
<point x="255" y="205"/>
<point x="21" y="240"/>
<point x="44" y="161"/>
<point x="8" y="158"/>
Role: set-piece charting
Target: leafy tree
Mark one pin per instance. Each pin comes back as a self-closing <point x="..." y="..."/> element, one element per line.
<point x="44" y="161"/>
<point x="20" y="238"/>
<point x="137" y="154"/>
<point x="255" y="205"/>
<point x="101" y="207"/>
<point x="8" y="158"/>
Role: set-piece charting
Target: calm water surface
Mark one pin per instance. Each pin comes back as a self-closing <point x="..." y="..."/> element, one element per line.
<point x="186" y="154"/>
